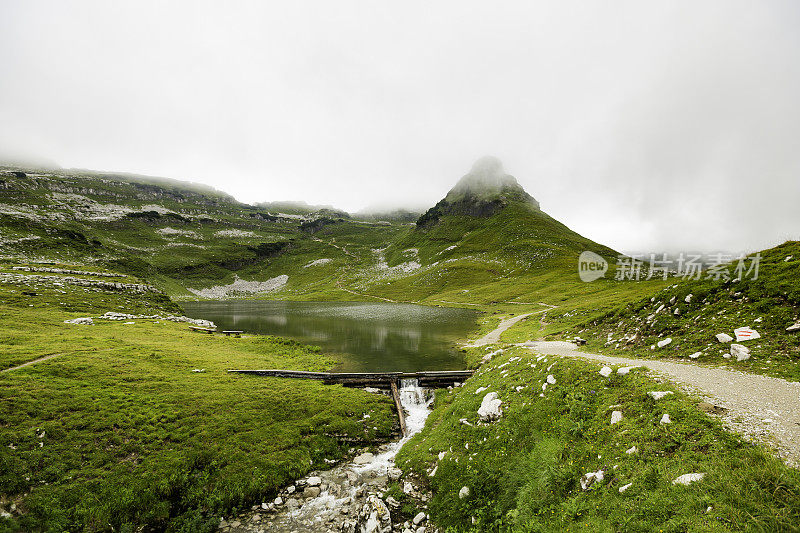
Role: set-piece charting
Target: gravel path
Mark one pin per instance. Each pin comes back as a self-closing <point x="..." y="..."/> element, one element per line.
<point x="761" y="408"/>
<point x="494" y="336"/>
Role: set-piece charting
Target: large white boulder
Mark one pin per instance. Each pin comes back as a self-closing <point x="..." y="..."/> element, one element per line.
<point x="490" y="407"/>
<point x="724" y="337"/>
<point x="746" y="334"/>
<point x="740" y="352"/>
<point x="665" y="342"/>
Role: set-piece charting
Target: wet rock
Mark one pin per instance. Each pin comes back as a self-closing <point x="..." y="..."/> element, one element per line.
<point x="364" y="458"/>
<point x="394" y="473"/>
<point x="311" y="492"/>
<point x="374" y="516"/>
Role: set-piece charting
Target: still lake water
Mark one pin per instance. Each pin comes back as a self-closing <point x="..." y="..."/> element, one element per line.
<point x="366" y="337"/>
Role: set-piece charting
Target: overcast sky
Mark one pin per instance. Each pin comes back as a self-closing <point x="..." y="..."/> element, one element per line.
<point x="643" y="125"/>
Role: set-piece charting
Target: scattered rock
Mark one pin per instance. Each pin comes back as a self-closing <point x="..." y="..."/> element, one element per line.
<point x="625" y="369"/>
<point x="314" y="481"/>
<point x="86" y="321"/>
<point x="463" y="493"/>
<point x="616" y="417"/>
<point x="418" y="519"/>
<point x="623" y="488"/>
<point x="665" y="342"/>
<point x="695" y="355"/>
<point x="374" y="517"/>
<point x="394" y="473"/>
<point x="685" y="479"/>
<point x="481" y="389"/>
<point x="710" y="408"/>
<point x="657" y="395"/>
<point x="632" y="449"/>
<point x="723" y="337"/>
<point x="590" y="478"/>
<point x="793" y="328"/>
<point x="740" y="352"/>
<point x="311" y="492"/>
<point x="490" y="407"/>
<point x="688" y="298"/>
<point x="551" y="380"/>
<point x="666" y="419"/>
<point x="746" y="334"/>
<point x="606" y="371"/>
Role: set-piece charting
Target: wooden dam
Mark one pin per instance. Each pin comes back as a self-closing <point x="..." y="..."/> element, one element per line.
<point x="379" y="380"/>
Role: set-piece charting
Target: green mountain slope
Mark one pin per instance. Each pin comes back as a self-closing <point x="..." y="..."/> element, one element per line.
<point x="692" y="312"/>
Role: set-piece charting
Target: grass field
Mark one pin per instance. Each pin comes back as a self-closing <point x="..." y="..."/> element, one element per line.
<point x="117" y="432"/>
<point x="523" y="471"/>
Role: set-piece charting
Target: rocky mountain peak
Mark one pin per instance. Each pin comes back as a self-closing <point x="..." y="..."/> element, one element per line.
<point x="481" y="193"/>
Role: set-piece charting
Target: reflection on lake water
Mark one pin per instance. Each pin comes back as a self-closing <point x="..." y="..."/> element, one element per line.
<point x="366" y="336"/>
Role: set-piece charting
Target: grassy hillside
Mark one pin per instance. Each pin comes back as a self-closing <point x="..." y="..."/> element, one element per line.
<point x="523" y="472"/>
<point x="693" y="312"/>
<point x="117" y="432"/>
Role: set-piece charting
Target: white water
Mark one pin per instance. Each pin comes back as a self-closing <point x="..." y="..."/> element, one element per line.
<point x="347" y="486"/>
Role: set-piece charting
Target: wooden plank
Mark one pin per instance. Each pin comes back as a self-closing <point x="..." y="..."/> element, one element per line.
<point x="367" y="379"/>
<point x="400" y="413"/>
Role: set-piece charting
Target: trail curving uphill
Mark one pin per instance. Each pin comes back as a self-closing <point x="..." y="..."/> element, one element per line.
<point x="761" y="408"/>
<point x="494" y="336"/>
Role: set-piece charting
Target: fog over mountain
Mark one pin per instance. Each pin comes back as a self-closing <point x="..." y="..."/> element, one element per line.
<point x="644" y="126"/>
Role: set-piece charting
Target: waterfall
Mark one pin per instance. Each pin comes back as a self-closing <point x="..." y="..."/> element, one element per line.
<point x="415" y="402"/>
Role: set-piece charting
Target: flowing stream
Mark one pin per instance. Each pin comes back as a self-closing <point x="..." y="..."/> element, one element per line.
<point x="342" y="498"/>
